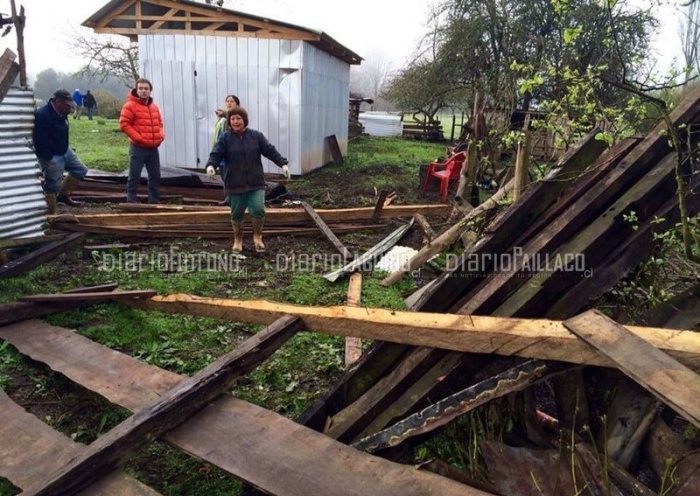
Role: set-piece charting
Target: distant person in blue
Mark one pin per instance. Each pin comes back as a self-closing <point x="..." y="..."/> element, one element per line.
<point x="78" y="99"/>
<point x="90" y="104"/>
<point x="50" y="137"/>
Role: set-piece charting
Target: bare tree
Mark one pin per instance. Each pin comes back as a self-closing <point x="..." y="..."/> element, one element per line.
<point x="107" y="56"/>
<point x="690" y="38"/>
<point x="371" y="77"/>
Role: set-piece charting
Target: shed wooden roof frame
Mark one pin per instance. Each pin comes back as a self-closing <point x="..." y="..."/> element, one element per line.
<point x="138" y="17"/>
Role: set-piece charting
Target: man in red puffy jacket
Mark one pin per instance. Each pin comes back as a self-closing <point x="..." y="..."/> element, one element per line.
<point x="140" y="120"/>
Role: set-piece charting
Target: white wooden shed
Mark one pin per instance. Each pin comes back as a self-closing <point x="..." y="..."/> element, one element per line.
<point x="293" y="81"/>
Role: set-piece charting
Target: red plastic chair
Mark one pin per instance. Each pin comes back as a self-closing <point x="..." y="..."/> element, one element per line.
<point x="449" y="170"/>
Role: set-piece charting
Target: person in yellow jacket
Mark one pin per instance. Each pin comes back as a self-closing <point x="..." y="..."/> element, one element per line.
<point x="141" y="121"/>
<point x="220" y="125"/>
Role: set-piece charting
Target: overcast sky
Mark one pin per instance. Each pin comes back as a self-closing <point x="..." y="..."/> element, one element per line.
<point x="392" y="27"/>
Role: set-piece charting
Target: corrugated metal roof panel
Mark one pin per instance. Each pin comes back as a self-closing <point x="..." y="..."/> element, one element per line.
<point x="22" y="205"/>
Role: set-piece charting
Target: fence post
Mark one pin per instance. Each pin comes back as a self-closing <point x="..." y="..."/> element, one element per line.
<point x="454" y="121"/>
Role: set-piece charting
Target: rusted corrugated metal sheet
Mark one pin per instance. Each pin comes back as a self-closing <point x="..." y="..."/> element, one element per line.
<point x="22" y="205"/>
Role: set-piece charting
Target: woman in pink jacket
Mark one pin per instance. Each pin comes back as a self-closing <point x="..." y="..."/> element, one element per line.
<point x="140" y="120"/>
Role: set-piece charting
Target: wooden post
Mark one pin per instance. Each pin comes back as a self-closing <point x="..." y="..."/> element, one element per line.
<point x="353" y="346"/>
<point x="18" y="21"/>
<point x="522" y="160"/>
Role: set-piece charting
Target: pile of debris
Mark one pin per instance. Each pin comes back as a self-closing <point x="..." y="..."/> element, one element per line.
<point x="587" y="406"/>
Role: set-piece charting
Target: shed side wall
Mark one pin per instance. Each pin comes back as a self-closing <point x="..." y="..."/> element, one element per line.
<point x="324" y="109"/>
<point x="292" y="92"/>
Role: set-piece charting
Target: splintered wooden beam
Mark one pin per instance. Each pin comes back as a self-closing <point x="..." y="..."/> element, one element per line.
<point x="530" y="338"/>
<point x="35" y="448"/>
<point x="167" y="412"/>
<point x="670" y="381"/>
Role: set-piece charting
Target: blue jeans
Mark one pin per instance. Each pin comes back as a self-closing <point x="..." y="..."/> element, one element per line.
<point x="253" y="200"/>
<point x="53" y="170"/>
<point x="138" y="157"/>
<point x="90" y="110"/>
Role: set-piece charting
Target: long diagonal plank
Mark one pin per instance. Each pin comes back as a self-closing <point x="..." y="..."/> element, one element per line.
<point x="167" y="412"/>
<point x="326" y="231"/>
<point x="529" y="338"/>
<point x="670" y="381"/>
<point x="29" y="448"/>
<point x="256" y="445"/>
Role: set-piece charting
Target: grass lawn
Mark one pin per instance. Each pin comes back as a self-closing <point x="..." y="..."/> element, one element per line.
<point x="100" y="144"/>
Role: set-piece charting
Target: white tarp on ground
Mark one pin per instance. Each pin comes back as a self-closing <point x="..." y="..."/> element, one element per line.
<point x="381" y="123"/>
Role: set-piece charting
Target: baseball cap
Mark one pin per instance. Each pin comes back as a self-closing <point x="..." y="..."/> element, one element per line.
<point x="63" y="95"/>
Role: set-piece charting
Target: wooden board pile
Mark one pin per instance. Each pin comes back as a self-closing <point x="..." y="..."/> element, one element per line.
<point x="549" y="254"/>
<point x="281" y="457"/>
<point x="215" y="222"/>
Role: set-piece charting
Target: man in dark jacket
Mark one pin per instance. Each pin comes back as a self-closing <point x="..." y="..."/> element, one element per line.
<point x="89" y="103"/>
<point x="50" y="138"/>
<point x="240" y="149"/>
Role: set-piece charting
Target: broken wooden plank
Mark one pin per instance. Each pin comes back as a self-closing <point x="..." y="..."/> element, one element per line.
<point x="327" y="231"/>
<point x="448" y="237"/>
<point x="16" y="311"/>
<point x="40" y="255"/>
<point x="89" y="296"/>
<point x="370" y="256"/>
<point x="670" y="381"/>
<point x="427" y="229"/>
<point x="529" y="338"/>
<point x="30" y="448"/>
<point x="9" y="69"/>
<point x="353" y="346"/>
<point x="170" y="410"/>
<point x="447" y="409"/>
<point x="379" y="205"/>
<point x="281" y="456"/>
